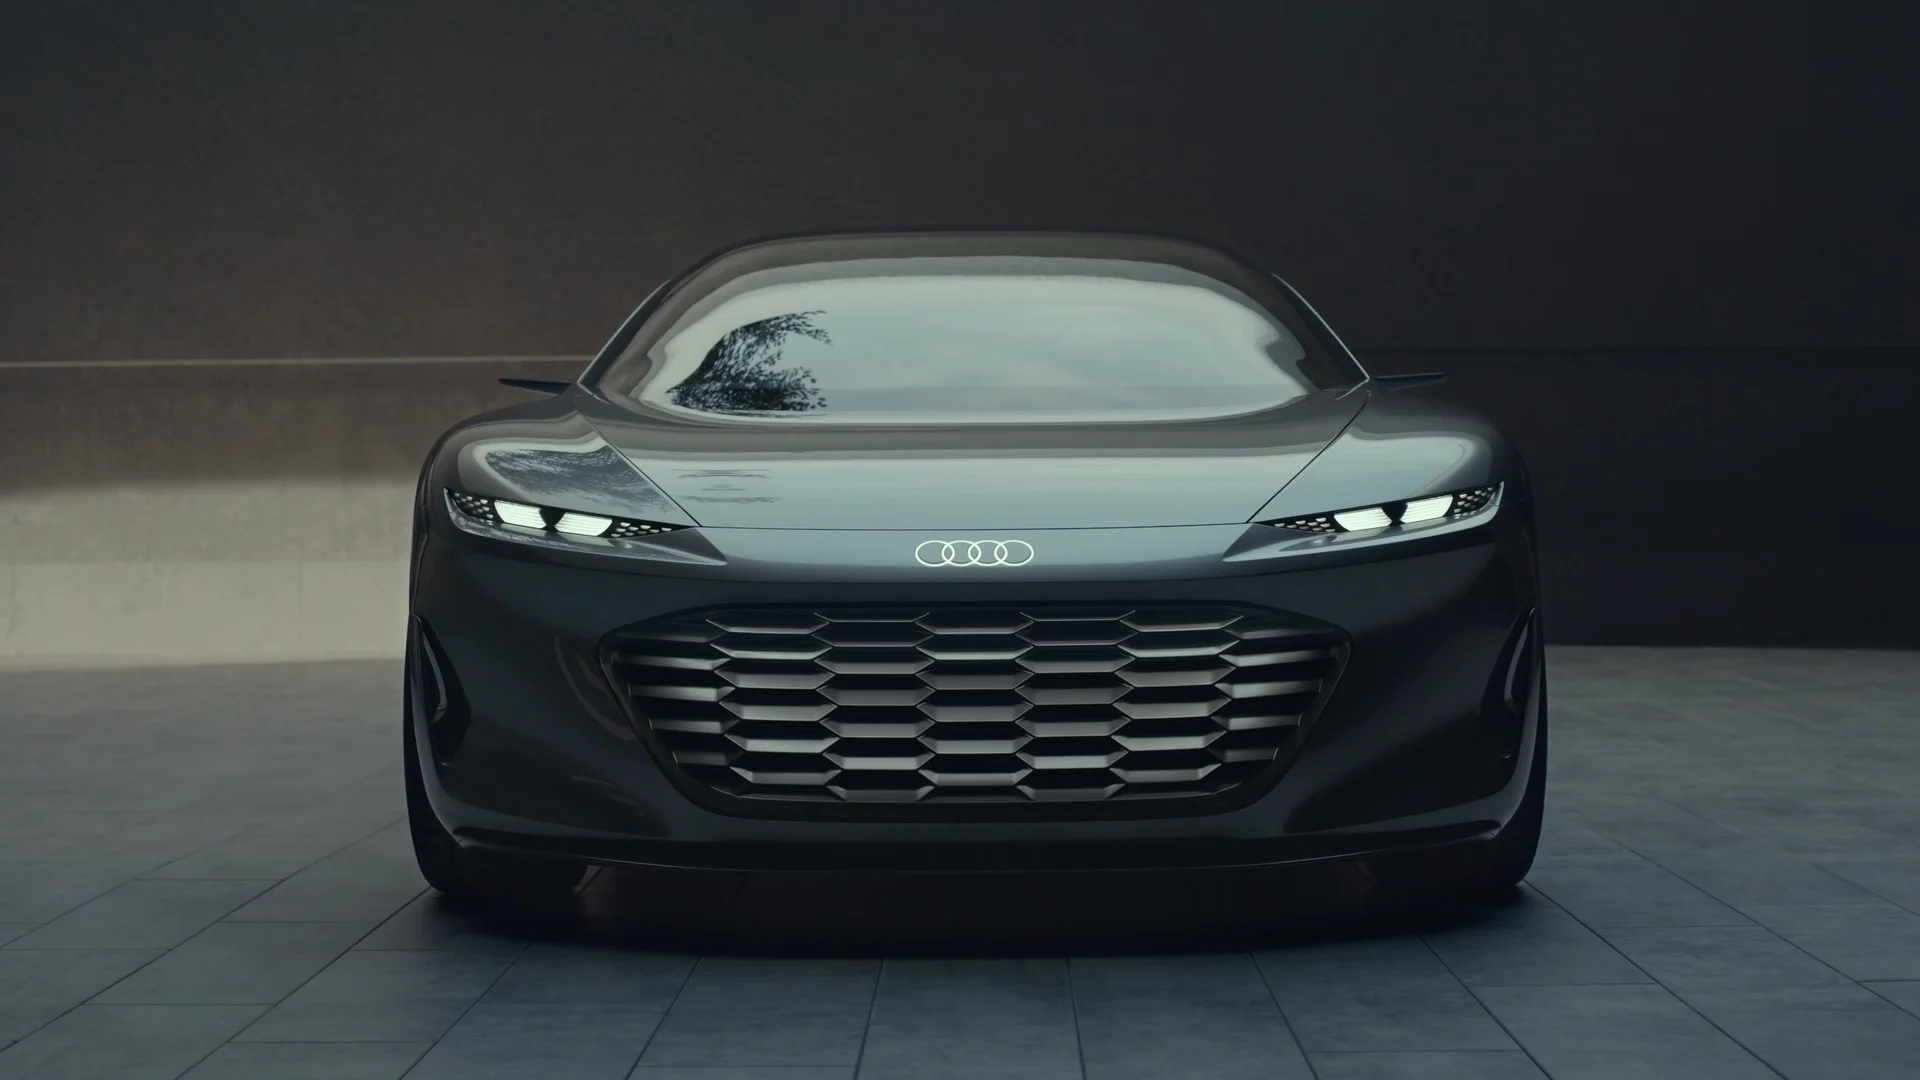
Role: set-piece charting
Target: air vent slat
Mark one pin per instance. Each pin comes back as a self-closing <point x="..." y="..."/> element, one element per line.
<point x="952" y="707"/>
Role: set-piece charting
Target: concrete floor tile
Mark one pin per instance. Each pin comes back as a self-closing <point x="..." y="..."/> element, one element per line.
<point x="1731" y="823"/>
<point x="1896" y="880"/>
<point x="1762" y="878"/>
<point x="1789" y="824"/>
<point x="143" y="914"/>
<point x="1426" y="1065"/>
<point x="540" y="1042"/>
<point x="369" y="880"/>
<point x="1307" y="969"/>
<point x="251" y="856"/>
<point x="1891" y="815"/>
<point x="972" y="1017"/>
<point x="353" y="813"/>
<point x="37" y="986"/>
<point x="1530" y="943"/>
<point x="1617" y="1031"/>
<point x="560" y="975"/>
<point x="125" y="1042"/>
<point x="38" y="891"/>
<point x="1646" y="824"/>
<point x="308" y="1061"/>
<point x="422" y="1019"/>
<point x="237" y="964"/>
<point x="1906" y="995"/>
<point x="1561" y="837"/>
<point x="1745" y="965"/>
<point x="1827" y="1044"/>
<point x="163" y="837"/>
<point x="1724" y="1060"/>
<point x="742" y="1073"/>
<point x="429" y="924"/>
<point x="1629" y="891"/>
<point x="1879" y="942"/>
<point x="1048" y="1069"/>
<point x="746" y="1012"/>
<point x="1152" y="1017"/>
<point x="1436" y="1013"/>
<point x="379" y="997"/>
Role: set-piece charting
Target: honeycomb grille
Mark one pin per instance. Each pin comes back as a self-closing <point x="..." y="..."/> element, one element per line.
<point x="1471" y="502"/>
<point x="474" y="506"/>
<point x="1020" y="705"/>
<point x="1322" y="524"/>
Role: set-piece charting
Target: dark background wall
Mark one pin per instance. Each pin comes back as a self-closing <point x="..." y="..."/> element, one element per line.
<point x="1670" y="245"/>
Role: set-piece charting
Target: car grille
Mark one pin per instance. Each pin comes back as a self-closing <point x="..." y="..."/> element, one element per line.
<point x="1003" y="704"/>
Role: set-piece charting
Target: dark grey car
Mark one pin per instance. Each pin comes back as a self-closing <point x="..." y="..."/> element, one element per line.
<point x="973" y="551"/>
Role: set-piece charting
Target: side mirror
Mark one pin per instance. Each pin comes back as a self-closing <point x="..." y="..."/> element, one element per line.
<point x="1407" y="382"/>
<point x="538" y="386"/>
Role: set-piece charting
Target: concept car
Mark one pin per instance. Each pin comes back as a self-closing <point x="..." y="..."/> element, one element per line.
<point x="972" y="551"/>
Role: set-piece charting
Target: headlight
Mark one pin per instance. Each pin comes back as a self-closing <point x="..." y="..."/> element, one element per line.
<point x="1432" y="508"/>
<point x="546" y="519"/>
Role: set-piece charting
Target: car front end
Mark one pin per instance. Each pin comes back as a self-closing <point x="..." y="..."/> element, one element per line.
<point x="1217" y="643"/>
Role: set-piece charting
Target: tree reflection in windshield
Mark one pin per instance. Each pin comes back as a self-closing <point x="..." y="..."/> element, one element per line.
<point x="741" y="373"/>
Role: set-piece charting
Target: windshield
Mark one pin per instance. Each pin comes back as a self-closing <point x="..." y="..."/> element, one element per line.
<point x="981" y="339"/>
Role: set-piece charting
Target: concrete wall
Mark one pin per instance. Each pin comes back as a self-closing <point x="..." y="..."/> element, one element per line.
<point x="198" y="513"/>
<point x="1668" y="245"/>
<point x="259" y="511"/>
<point x="234" y="178"/>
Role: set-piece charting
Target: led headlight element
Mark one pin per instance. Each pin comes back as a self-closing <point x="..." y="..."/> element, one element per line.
<point x="527" y="517"/>
<point x="1432" y="508"/>
<point x="583" y="524"/>
<point x="1426" y="509"/>
<point x="566" y="523"/>
<point x="1373" y="517"/>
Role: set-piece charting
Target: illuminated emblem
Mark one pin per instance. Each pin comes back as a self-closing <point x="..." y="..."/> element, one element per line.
<point x="974" y="553"/>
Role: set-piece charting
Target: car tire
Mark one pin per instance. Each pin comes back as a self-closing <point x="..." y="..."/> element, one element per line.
<point x="463" y="875"/>
<point x="1519" y="840"/>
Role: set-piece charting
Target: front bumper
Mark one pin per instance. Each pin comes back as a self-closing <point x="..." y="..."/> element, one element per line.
<point x="1411" y="751"/>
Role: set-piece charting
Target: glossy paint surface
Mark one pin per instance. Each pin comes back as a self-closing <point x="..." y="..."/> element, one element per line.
<point x="1403" y="743"/>
<point x="1171" y="501"/>
<point x="775" y="515"/>
<point x="977" y="477"/>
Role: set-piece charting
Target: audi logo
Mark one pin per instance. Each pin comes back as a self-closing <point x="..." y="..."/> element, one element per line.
<point x="974" y="553"/>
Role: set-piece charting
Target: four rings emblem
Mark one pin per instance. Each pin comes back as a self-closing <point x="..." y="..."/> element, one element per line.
<point x="974" y="553"/>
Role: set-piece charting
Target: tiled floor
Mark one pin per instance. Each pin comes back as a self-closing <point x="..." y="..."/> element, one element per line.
<point x="202" y="874"/>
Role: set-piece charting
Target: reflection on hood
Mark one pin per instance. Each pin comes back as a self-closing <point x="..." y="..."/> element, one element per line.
<point x="598" y="480"/>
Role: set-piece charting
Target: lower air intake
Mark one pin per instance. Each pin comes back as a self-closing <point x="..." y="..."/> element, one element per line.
<point x="974" y="705"/>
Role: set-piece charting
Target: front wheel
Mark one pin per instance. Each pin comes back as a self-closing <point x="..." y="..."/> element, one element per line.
<point x="464" y="875"/>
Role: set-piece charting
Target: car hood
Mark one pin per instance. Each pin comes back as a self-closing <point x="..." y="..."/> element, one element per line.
<point x="1066" y="476"/>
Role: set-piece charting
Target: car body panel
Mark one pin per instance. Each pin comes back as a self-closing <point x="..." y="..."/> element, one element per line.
<point x="1403" y="742"/>
<point x="1090" y="476"/>
<point x="1400" y="447"/>
<point x="1410" y="746"/>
